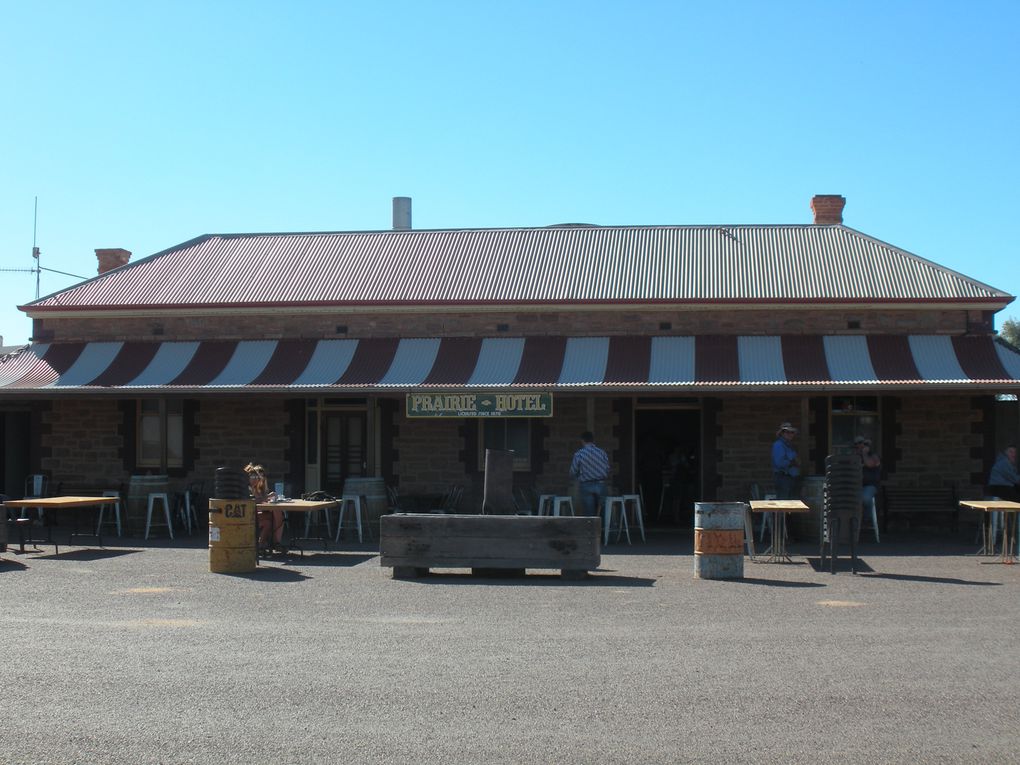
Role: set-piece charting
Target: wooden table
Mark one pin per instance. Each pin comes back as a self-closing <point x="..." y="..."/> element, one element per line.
<point x="300" y="506"/>
<point x="776" y="552"/>
<point x="64" y="503"/>
<point x="1009" y="523"/>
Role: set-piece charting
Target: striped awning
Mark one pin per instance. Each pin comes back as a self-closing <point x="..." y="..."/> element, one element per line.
<point x="621" y="363"/>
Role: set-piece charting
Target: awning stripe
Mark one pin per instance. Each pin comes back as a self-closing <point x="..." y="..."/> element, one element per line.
<point x="288" y="361"/>
<point x="848" y="359"/>
<point x="935" y="357"/>
<point x="455" y="362"/>
<point x="891" y="357"/>
<point x="498" y="361"/>
<point x="629" y="360"/>
<point x="804" y="359"/>
<point x="748" y="362"/>
<point x="542" y="361"/>
<point x="978" y="358"/>
<point x="209" y="360"/>
<point x="716" y="359"/>
<point x="168" y="362"/>
<point x="130" y="361"/>
<point x="372" y="358"/>
<point x="90" y="364"/>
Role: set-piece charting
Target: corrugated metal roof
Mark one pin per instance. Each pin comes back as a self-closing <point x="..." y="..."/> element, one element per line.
<point x="631" y="264"/>
<point x="693" y="364"/>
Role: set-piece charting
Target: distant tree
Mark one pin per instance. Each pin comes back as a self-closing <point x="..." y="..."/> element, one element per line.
<point x="1011" y="332"/>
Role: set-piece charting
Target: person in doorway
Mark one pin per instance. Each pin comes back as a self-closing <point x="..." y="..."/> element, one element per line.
<point x="270" y="521"/>
<point x="1004" y="480"/>
<point x="871" y="471"/>
<point x="590" y="467"/>
<point x="785" y="465"/>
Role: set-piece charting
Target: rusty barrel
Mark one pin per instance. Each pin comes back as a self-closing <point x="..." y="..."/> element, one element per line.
<point x="719" y="540"/>
<point x="232" y="536"/>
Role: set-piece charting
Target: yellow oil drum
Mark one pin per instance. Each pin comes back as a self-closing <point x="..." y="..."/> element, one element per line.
<point x="719" y="540"/>
<point x="232" y="547"/>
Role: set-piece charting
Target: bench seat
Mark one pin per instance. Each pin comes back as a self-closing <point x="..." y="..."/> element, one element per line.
<point x="920" y="502"/>
<point x="413" y="543"/>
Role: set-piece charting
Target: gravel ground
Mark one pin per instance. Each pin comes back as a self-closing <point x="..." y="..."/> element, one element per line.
<point x="137" y="654"/>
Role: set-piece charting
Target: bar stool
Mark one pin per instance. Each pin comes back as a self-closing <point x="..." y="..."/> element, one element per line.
<point x="185" y="510"/>
<point x="545" y="502"/>
<point x="161" y="496"/>
<point x="329" y="523"/>
<point x="561" y="503"/>
<point x="116" y="511"/>
<point x="354" y="502"/>
<point x="615" y="507"/>
<point x="638" y="511"/>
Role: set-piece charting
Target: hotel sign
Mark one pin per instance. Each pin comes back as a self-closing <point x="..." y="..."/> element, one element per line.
<point x="479" y="404"/>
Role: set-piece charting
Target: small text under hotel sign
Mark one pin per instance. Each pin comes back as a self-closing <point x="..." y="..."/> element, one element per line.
<point x="479" y="404"/>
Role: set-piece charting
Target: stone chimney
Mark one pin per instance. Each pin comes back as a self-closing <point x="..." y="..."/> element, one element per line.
<point x="828" y="209"/>
<point x="401" y="213"/>
<point x="111" y="258"/>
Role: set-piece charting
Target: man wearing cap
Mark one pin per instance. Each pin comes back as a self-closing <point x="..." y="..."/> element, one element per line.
<point x="785" y="466"/>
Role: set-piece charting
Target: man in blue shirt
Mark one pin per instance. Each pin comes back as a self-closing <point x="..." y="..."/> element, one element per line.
<point x="785" y="465"/>
<point x="1004" y="480"/>
<point x="591" y="468"/>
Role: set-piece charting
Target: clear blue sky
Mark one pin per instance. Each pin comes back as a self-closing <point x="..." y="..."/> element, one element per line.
<point x="141" y="125"/>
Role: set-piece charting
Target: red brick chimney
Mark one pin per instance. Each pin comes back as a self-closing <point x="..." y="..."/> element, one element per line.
<point x="828" y="209"/>
<point x="111" y="258"/>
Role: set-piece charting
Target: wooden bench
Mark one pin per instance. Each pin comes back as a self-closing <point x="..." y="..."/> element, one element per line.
<point x="914" y="502"/>
<point x="412" y="543"/>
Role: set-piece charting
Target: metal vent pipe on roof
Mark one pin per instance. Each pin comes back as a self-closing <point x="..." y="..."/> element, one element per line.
<point x="401" y="213"/>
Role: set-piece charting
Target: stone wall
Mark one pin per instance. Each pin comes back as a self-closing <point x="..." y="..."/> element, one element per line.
<point x="487" y="323"/>
<point x="81" y="444"/>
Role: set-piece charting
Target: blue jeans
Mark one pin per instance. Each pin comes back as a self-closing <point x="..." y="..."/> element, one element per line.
<point x="592" y="494"/>
<point x="787" y="486"/>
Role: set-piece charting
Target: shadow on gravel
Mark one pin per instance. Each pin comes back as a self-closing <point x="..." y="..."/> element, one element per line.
<point x="594" y="579"/>
<point x="775" y="583"/>
<point x="843" y="565"/>
<point x="89" y="554"/>
<point x="271" y="574"/>
<point x="9" y="564"/>
<point x="342" y="560"/>
<point x="931" y="579"/>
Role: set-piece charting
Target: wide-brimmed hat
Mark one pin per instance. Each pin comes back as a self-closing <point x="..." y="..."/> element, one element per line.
<point x="861" y="440"/>
<point x="786" y="427"/>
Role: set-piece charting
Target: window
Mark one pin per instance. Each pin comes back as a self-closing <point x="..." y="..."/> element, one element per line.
<point x="854" y="416"/>
<point x="507" y="433"/>
<point x="160" y="442"/>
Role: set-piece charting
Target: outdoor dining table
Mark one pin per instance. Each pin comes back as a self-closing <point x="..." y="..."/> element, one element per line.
<point x="300" y="506"/>
<point x="1009" y="512"/>
<point x="776" y="552"/>
<point x="75" y="504"/>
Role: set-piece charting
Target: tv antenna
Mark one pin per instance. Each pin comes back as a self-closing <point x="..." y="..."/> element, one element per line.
<point x="39" y="268"/>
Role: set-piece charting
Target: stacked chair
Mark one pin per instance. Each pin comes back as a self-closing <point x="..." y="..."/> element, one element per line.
<point x="842" y="502"/>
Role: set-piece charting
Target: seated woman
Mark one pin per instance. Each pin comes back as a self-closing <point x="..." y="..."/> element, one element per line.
<point x="270" y="521"/>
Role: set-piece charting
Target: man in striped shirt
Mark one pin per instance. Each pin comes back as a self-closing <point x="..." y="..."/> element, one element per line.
<point x="590" y="467"/>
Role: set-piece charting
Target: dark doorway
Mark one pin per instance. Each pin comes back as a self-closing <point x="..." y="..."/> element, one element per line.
<point x="14" y="463"/>
<point x="343" y="449"/>
<point x="669" y="463"/>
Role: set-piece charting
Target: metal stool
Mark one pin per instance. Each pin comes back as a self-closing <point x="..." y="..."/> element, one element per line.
<point x="545" y="503"/>
<point x="354" y="502"/>
<point x="638" y="511"/>
<point x="615" y="507"/>
<point x="562" y="502"/>
<point x="165" y="499"/>
<point x="115" y="495"/>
